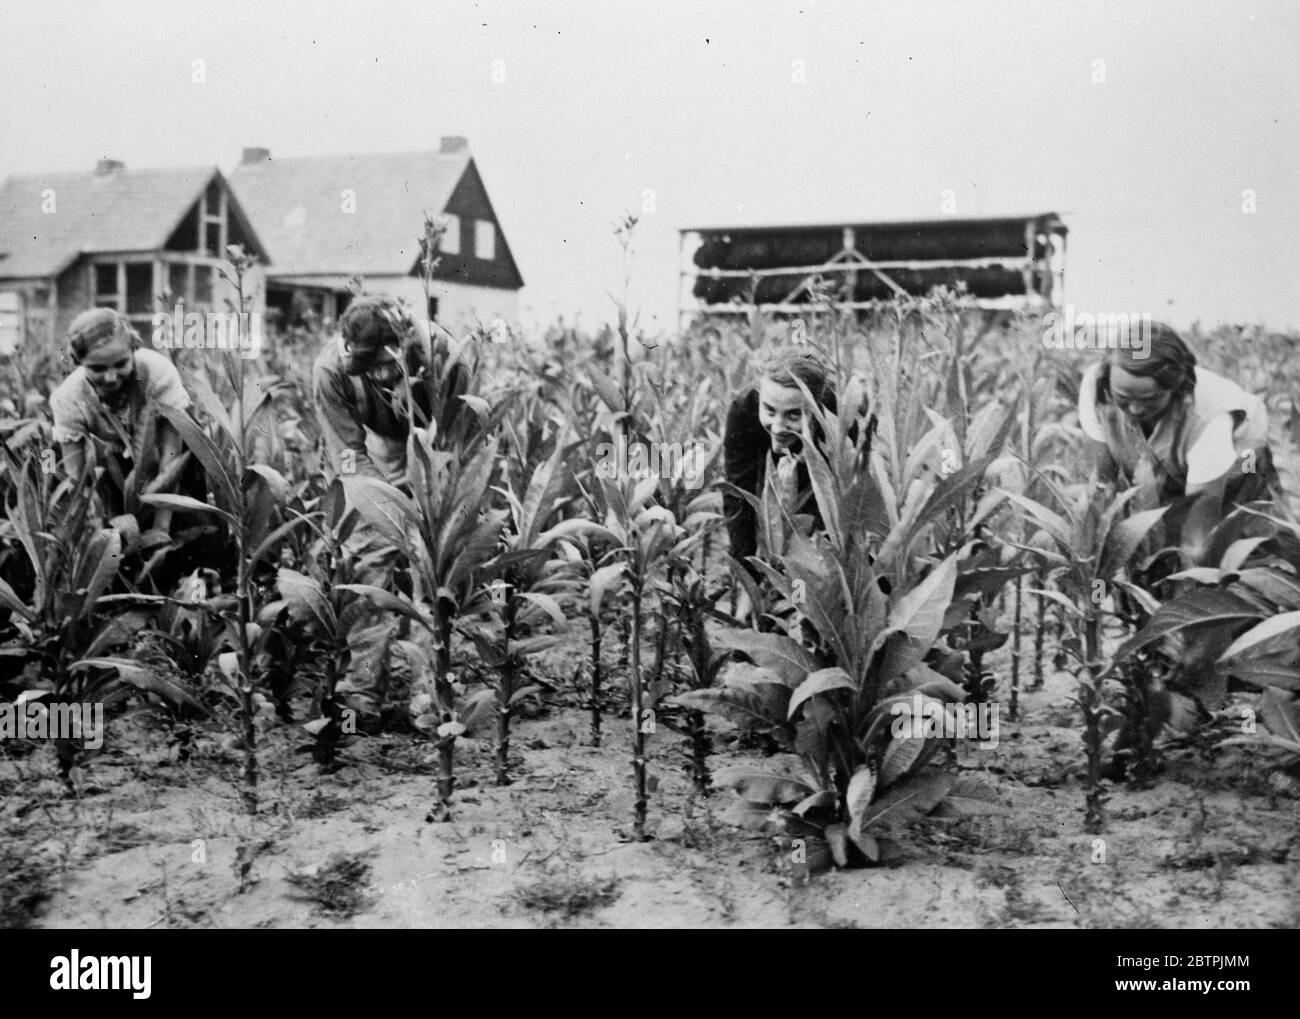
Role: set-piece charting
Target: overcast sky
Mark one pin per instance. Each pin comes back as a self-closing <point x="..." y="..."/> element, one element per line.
<point x="1141" y="124"/>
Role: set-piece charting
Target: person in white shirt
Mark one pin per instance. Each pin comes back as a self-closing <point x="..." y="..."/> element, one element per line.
<point x="1194" y="430"/>
<point x="106" y="410"/>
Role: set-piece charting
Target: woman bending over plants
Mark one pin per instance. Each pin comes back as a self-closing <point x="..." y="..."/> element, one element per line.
<point x="764" y="424"/>
<point x="107" y="413"/>
<point x="1199" y="438"/>
<point x="381" y="371"/>
<point x="1196" y="431"/>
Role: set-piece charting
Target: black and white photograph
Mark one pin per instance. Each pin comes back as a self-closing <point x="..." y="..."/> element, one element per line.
<point x="707" y="464"/>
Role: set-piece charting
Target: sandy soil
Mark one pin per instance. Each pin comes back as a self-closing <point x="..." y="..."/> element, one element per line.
<point x="154" y="842"/>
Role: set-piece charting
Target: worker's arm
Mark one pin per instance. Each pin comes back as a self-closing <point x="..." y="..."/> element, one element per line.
<point x="1096" y="452"/>
<point x="1218" y="487"/>
<point x="1213" y="458"/>
<point x="163" y="388"/>
<point x="171" y="447"/>
<point x="341" y="425"/>
<point x="744" y="448"/>
<point x="69" y="404"/>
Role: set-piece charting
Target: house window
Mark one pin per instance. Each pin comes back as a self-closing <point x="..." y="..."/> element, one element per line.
<point x="212" y="240"/>
<point x="203" y="285"/>
<point x="212" y="221"/>
<point x="485" y="239"/>
<point x="11" y="322"/>
<point x="188" y="284"/>
<point x="139" y="288"/>
<point x="178" y="282"/>
<point x="107" y="292"/>
<point x="450" y="243"/>
<point x="126" y="287"/>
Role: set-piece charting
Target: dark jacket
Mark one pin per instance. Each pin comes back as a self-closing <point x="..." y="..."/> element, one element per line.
<point x="745" y="449"/>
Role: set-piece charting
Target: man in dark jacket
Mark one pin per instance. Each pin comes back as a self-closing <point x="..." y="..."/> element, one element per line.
<point x="360" y="390"/>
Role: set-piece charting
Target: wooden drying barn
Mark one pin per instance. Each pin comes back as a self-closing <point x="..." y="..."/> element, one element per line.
<point x="1003" y="262"/>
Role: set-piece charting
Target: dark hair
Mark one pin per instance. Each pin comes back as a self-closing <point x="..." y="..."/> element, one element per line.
<point x="92" y="328"/>
<point x="375" y="321"/>
<point x="1169" y="361"/>
<point x="790" y="367"/>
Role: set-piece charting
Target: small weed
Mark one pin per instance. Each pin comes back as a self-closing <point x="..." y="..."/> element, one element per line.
<point x="1018" y="908"/>
<point x="24" y="888"/>
<point x="321" y="804"/>
<point x="247" y="850"/>
<point x="572" y="895"/>
<point x="118" y="838"/>
<point x="340" y="887"/>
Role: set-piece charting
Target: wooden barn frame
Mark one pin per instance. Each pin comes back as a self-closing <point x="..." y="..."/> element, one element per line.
<point x="1003" y="262"/>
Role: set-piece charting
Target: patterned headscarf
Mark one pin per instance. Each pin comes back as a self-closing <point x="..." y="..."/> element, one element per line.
<point x="92" y="328"/>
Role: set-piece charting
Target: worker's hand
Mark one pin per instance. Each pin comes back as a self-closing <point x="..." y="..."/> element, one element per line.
<point x="787" y="481"/>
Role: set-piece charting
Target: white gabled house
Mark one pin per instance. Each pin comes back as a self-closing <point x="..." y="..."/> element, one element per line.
<point x="327" y="219"/>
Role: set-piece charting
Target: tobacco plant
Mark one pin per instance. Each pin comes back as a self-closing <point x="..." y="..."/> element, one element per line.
<point x="250" y="498"/>
<point x="1086" y="544"/>
<point x="876" y="609"/>
<point x="1233" y="611"/>
<point x="689" y="604"/>
<point x="526" y="582"/>
<point x="640" y="534"/>
<point x="447" y="532"/>
<point x="64" y="628"/>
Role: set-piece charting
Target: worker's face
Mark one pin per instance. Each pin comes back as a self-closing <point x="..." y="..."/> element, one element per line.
<point x="780" y="412"/>
<point x="110" y="365"/>
<point x="380" y="364"/>
<point x="1140" y="397"/>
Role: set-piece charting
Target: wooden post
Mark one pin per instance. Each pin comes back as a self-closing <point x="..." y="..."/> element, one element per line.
<point x="681" y="276"/>
<point x="1061" y="281"/>
<point x="223" y="207"/>
<point x="1027" y="273"/>
<point x="52" y="329"/>
<point x="850" y="253"/>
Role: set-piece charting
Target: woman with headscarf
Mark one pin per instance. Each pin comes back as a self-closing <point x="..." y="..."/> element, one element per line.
<point x="106" y="410"/>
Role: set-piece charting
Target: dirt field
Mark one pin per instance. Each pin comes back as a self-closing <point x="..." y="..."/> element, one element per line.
<point x="155" y="842"/>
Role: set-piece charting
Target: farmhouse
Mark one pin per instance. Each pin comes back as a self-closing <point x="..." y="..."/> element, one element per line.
<point x="115" y="238"/>
<point x="327" y="219"/>
<point x="1004" y="262"/>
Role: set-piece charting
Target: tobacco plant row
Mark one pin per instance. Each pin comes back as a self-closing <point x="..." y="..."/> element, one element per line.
<point x="954" y="523"/>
